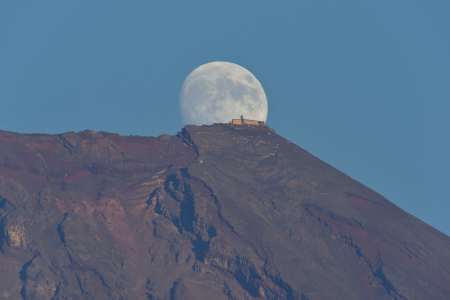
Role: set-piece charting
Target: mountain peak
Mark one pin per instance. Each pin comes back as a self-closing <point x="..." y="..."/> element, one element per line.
<point x="218" y="211"/>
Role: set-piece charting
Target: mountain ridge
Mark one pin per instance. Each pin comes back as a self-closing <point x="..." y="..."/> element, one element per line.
<point x="232" y="212"/>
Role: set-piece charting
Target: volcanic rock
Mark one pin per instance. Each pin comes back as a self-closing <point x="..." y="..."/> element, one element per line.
<point x="215" y="212"/>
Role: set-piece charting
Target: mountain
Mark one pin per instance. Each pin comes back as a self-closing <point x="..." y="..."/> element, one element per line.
<point x="215" y="212"/>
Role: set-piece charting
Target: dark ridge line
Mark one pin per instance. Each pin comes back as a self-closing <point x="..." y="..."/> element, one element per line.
<point x="2" y="202"/>
<point x="153" y="194"/>
<point x="102" y="279"/>
<point x="227" y="291"/>
<point x="229" y="226"/>
<point x="309" y="207"/>
<point x="173" y="290"/>
<point x="149" y="293"/>
<point x="65" y="143"/>
<point x="279" y="281"/>
<point x="72" y="263"/>
<point x="2" y="234"/>
<point x="412" y="253"/>
<point x="386" y="283"/>
<point x="186" y="138"/>
<point x="80" y="284"/>
<point x="377" y="273"/>
<point x="60" y="229"/>
<point x="222" y="219"/>
<point x="114" y="146"/>
<point x="185" y="173"/>
<point x="217" y="204"/>
<point x="23" y="276"/>
<point x="8" y="207"/>
<point x="171" y="185"/>
<point x="247" y="277"/>
<point x="188" y="215"/>
<point x="161" y="210"/>
<point x="56" y="292"/>
<point x="75" y="265"/>
<point x="44" y="165"/>
<point x="242" y="280"/>
<point x="188" y="218"/>
<point x="200" y="248"/>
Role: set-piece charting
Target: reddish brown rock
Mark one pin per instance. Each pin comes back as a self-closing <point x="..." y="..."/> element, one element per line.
<point x="216" y="212"/>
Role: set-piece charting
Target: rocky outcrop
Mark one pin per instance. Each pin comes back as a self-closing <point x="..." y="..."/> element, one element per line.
<point x="215" y="212"/>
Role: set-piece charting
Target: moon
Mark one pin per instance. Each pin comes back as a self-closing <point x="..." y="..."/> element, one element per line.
<point x="219" y="91"/>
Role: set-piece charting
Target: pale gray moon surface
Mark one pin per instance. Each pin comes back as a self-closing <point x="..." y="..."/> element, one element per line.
<point x="218" y="91"/>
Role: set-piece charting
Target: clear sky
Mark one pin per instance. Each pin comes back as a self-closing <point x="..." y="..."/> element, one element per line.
<point x="364" y="85"/>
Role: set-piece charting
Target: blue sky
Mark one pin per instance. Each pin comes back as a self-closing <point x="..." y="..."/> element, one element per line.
<point x="364" y="85"/>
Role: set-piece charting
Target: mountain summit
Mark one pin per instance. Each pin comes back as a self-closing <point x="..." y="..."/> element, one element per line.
<point x="215" y="212"/>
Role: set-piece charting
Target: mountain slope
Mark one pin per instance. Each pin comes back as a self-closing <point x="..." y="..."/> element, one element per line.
<point x="215" y="212"/>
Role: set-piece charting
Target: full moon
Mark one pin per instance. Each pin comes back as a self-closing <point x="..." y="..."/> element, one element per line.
<point x="219" y="91"/>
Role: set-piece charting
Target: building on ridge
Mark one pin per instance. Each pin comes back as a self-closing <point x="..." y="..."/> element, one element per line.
<point x="242" y="121"/>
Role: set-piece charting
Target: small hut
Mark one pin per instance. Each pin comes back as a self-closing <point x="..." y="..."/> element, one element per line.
<point x="242" y="121"/>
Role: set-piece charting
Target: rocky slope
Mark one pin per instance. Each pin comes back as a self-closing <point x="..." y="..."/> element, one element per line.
<point x="216" y="212"/>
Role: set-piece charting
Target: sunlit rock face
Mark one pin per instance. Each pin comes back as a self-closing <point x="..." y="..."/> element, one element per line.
<point x="215" y="212"/>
